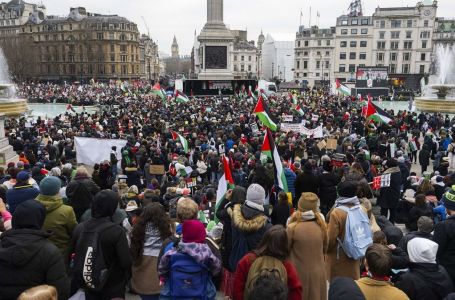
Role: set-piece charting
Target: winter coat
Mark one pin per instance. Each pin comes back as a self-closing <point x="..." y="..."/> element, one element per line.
<point x="308" y="244"/>
<point x="133" y="177"/>
<point x="80" y="192"/>
<point x="343" y="288"/>
<point x="19" y="194"/>
<point x="415" y="213"/>
<point x="28" y="259"/>
<point x="241" y="275"/>
<point x="327" y="193"/>
<point x="280" y="214"/>
<point x="425" y="281"/>
<point x="60" y="220"/>
<point x="405" y="240"/>
<point x="226" y="237"/>
<point x="116" y="256"/>
<point x="247" y="224"/>
<point x="424" y="156"/>
<point x="444" y="236"/>
<point x="290" y="179"/>
<point x="389" y="196"/>
<point x="380" y="290"/>
<point x="305" y="183"/>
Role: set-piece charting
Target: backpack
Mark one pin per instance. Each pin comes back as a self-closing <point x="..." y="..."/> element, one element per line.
<point x="89" y="261"/>
<point x="357" y="235"/>
<point x="264" y="266"/>
<point x="172" y="170"/>
<point x="187" y="278"/>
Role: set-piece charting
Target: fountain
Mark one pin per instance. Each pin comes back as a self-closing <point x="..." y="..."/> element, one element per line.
<point x="437" y="95"/>
<point x="10" y="106"/>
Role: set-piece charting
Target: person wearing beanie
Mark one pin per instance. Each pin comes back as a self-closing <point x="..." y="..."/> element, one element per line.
<point x="113" y="243"/>
<point x="192" y="244"/>
<point x="60" y="218"/>
<point x="444" y="235"/>
<point x="27" y="258"/>
<point x="425" y="278"/>
<point x="80" y="191"/>
<point x="425" y="228"/>
<point x="389" y="196"/>
<point x="338" y="263"/>
<point x="22" y="191"/>
<point x="307" y="235"/>
<point x="249" y="223"/>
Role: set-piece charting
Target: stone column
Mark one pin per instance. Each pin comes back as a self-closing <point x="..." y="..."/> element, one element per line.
<point x="214" y="11"/>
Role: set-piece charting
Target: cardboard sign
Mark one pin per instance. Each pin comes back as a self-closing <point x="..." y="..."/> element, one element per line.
<point x="331" y="144"/>
<point x="288" y="118"/>
<point x="156" y="170"/>
<point x="322" y="144"/>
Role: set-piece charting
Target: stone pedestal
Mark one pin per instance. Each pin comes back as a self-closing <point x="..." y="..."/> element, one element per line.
<point x="7" y="154"/>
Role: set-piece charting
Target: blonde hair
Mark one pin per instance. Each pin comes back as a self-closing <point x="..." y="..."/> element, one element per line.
<point x="82" y="171"/>
<point x="187" y="209"/>
<point x="41" y="292"/>
<point x="305" y="200"/>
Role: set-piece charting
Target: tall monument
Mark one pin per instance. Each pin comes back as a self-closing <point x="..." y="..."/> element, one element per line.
<point x="175" y="48"/>
<point x="216" y="45"/>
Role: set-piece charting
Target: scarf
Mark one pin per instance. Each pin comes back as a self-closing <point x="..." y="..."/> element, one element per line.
<point x="391" y="170"/>
<point x="309" y="215"/>
<point x="347" y="201"/>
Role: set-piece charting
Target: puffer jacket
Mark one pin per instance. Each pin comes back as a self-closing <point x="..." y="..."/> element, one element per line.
<point x="80" y="192"/>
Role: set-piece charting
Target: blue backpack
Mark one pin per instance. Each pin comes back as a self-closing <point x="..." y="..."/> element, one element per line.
<point x="357" y="233"/>
<point x="188" y="279"/>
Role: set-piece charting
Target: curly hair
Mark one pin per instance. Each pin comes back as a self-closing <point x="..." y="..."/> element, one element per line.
<point x="152" y="213"/>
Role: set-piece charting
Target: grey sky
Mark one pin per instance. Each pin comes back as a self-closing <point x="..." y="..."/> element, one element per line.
<point x="182" y="17"/>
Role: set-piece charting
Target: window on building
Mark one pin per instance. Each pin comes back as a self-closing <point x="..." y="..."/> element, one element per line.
<point x="71" y="26"/>
<point x="362" y="55"/>
<point x="344" y="22"/>
<point x="408" y="34"/>
<point x="381" y="45"/>
<point x="422" y="69"/>
<point x="112" y="69"/>
<point x="364" y="21"/>
<point x="124" y="69"/>
<point x="407" y="45"/>
<point x="422" y="56"/>
<point x="395" y="34"/>
<point x="235" y="68"/>
<point x="393" y="68"/>
<point x="327" y="53"/>
<point x="298" y="64"/>
<point x="393" y="56"/>
<point x="342" y="55"/>
<point x="364" y="31"/>
<point x="343" y="44"/>
<point x="305" y="74"/>
<point x="405" y="68"/>
<point x="305" y="53"/>
<point x="344" y="31"/>
<point x="318" y="53"/>
<point x="425" y="23"/>
<point x="235" y="57"/>
<point x="353" y="31"/>
<point x="382" y="24"/>
<point x="318" y="64"/>
<point x="353" y="44"/>
<point x="380" y="56"/>
<point x="395" y="23"/>
<point x="298" y="43"/>
<point x="409" y="23"/>
<point x="112" y="48"/>
<point x="242" y="68"/>
<point x="424" y="44"/>
<point x="406" y="56"/>
<point x="354" y="22"/>
<point x="327" y="64"/>
<point x="306" y="43"/>
<point x="318" y="74"/>
<point x="112" y="57"/>
<point x="249" y="58"/>
<point x="242" y="58"/>
<point x="327" y="42"/>
<point x="342" y="68"/>
<point x="363" y="44"/>
<point x="351" y="68"/>
<point x="99" y="35"/>
<point x="352" y="55"/>
<point x="319" y="42"/>
<point x="305" y="64"/>
<point x="249" y="68"/>
<point x="425" y="34"/>
<point x="394" y="45"/>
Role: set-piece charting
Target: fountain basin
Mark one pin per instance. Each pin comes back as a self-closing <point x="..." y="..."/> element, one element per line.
<point x="442" y="89"/>
<point x="13" y="107"/>
<point x="429" y="104"/>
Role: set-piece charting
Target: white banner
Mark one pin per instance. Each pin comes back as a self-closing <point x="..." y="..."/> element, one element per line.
<point x="91" y="151"/>
<point x="317" y="133"/>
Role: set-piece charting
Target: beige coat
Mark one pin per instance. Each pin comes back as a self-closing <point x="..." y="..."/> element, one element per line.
<point x="380" y="290"/>
<point x="145" y="279"/>
<point x="338" y="264"/>
<point x="307" y="244"/>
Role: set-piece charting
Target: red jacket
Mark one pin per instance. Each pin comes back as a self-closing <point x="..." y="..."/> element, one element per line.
<point x="241" y="275"/>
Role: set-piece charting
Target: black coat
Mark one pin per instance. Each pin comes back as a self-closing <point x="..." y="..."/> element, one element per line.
<point x="305" y="183"/>
<point x="424" y="157"/>
<point x="444" y="236"/>
<point x="280" y="214"/>
<point x="425" y="281"/>
<point x="116" y="255"/>
<point x="327" y="183"/>
<point x="389" y="196"/>
<point x="80" y="192"/>
<point x="415" y="213"/>
<point x="405" y="240"/>
<point x="28" y="259"/>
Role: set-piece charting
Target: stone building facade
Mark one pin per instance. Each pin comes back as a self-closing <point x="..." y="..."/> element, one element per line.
<point x="149" y="58"/>
<point x="15" y="13"/>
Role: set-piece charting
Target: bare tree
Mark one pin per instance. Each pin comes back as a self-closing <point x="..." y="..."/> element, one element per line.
<point x="22" y="56"/>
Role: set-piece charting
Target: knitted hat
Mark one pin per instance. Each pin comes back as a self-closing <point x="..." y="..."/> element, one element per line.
<point x="23" y="176"/>
<point x="193" y="231"/>
<point x="448" y="199"/>
<point x="422" y="250"/>
<point x="255" y="196"/>
<point x="50" y="186"/>
<point x="131" y="206"/>
<point x="308" y="201"/>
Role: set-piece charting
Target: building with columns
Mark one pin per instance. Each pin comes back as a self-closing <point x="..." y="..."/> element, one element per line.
<point x="444" y="32"/>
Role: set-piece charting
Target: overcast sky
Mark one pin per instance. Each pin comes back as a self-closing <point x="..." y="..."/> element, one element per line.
<point x="182" y="17"/>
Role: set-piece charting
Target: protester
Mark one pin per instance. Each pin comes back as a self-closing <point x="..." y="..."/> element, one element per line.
<point x="39" y="292"/>
<point x="22" y="191"/>
<point x="389" y="196"/>
<point x="80" y="192"/>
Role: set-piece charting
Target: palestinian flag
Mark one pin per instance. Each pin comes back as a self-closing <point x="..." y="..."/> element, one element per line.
<point x="260" y="112"/>
<point x="252" y="95"/>
<point x="377" y="114"/>
<point x="157" y="90"/>
<point x="180" y="97"/>
<point x="298" y="109"/>
<point x="269" y="149"/>
<point x="341" y="88"/>
<point x="183" y="141"/>
<point x="225" y="183"/>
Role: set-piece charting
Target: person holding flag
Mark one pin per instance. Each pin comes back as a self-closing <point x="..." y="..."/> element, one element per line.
<point x="261" y="113"/>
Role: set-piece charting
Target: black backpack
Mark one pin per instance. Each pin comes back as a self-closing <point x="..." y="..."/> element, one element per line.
<point x="89" y="264"/>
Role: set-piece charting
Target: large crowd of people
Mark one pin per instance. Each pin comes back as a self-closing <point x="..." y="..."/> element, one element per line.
<point x="367" y="212"/>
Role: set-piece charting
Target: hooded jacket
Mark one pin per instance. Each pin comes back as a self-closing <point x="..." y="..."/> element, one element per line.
<point x="60" y="221"/>
<point x="27" y="258"/>
<point x="80" y="192"/>
<point x="19" y="194"/>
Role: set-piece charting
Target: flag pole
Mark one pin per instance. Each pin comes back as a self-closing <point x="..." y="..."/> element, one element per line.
<point x="300" y="18"/>
<point x="309" y="21"/>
